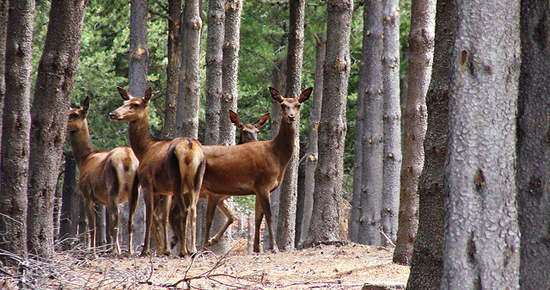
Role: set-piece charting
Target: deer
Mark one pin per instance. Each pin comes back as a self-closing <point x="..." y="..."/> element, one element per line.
<point x="170" y="167"/>
<point x="254" y="168"/>
<point x="106" y="177"/>
<point x="248" y="133"/>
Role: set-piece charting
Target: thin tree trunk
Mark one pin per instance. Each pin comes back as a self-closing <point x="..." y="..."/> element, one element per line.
<point x="421" y="40"/>
<point x="286" y="227"/>
<point x="3" y="33"/>
<point x="172" y="69"/>
<point x="314" y="120"/>
<point x="481" y="232"/>
<point x="392" y="121"/>
<point x="16" y="129"/>
<point x="191" y="80"/>
<point x="533" y="168"/>
<point x="68" y="226"/>
<point x="325" y="222"/>
<point x="54" y="83"/>
<point x="371" y="85"/>
<point x="139" y="52"/>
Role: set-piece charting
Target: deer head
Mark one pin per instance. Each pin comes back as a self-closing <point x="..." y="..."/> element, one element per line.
<point x="77" y="117"/>
<point x="290" y="107"/>
<point x="133" y="108"/>
<point x="249" y="132"/>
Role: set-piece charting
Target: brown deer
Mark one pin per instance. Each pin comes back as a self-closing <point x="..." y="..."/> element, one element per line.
<point x="167" y="167"/>
<point x="248" y="133"/>
<point x="106" y="177"/>
<point x="255" y="168"/>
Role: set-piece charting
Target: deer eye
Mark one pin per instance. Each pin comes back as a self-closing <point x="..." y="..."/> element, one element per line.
<point x="133" y="106"/>
<point x="73" y="115"/>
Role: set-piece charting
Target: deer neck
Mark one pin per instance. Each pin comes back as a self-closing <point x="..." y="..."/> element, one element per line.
<point x="139" y="136"/>
<point x="81" y="144"/>
<point x="284" y="141"/>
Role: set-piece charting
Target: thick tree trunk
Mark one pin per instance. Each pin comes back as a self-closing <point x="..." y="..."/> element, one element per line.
<point x="481" y="230"/>
<point x="54" y="83"/>
<point x="427" y="260"/>
<point x="312" y="149"/>
<point x="370" y="92"/>
<point x="191" y="79"/>
<point x="325" y="222"/>
<point x="16" y="129"/>
<point x="421" y="41"/>
<point x="533" y="148"/>
<point x="139" y="52"/>
<point x="172" y="69"/>
<point x="392" y="121"/>
<point x="288" y="196"/>
<point x="3" y="33"/>
<point x="213" y="81"/>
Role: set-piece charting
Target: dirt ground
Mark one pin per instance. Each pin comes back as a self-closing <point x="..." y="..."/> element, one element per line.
<point x="346" y="266"/>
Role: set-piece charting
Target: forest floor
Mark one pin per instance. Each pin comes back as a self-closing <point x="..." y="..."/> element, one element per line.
<point x="346" y="266"/>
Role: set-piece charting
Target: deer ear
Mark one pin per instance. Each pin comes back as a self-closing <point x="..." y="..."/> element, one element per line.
<point x="147" y="95"/>
<point x="86" y="105"/>
<point x="123" y="93"/>
<point x="258" y="124"/>
<point x="305" y="95"/>
<point x="235" y="119"/>
<point x="276" y="95"/>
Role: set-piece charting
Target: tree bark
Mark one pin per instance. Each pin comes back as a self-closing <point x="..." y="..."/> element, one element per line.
<point x="370" y="92"/>
<point x="172" y="69"/>
<point x="392" y="121"/>
<point x="312" y="148"/>
<point x="421" y="41"/>
<point x="189" y="126"/>
<point x="70" y="205"/>
<point x="427" y="260"/>
<point x="288" y="196"/>
<point x="139" y="52"/>
<point x="533" y="147"/>
<point x="54" y="83"/>
<point x="4" y="4"/>
<point x="325" y="222"/>
<point x="481" y="231"/>
<point x="16" y="129"/>
<point x="230" y="69"/>
<point x="213" y="81"/>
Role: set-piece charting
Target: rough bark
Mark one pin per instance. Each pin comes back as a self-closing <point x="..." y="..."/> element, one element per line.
<point x="172" y="69"/>
<point x="370" y="91"/>
<point x="481" y="231"/>
<point x="392" y="121"/>
<point x="288" y="196"/>
<point x="421" y="42"/>
<point x="52" y="98"/>
<point x="325" y="222"/>
<point x="427" y="260"/>
<point x="213" y="81"/>
<point x="189" y="126"/>
<point x="70" y="205"/>
<point x="139" y="52"/>
<point x="3" y="34"/>
<point x="230" y="69"/>
<point x="16" y="129"/>
<point x="533" y="148"/>
<point x="312" y="152"/>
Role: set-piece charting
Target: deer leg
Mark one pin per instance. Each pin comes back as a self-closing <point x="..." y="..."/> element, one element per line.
<point x="231" y="217"/>
<point x="266" y="208"/>
<point x="113" y="225"/>
<point x="134" y="199"/>
<point x="258" y="217"/>
<point x="90" y="213"/>
<point x="149" y="207"/>
<point x="210" y="207"/>
<point x="165" y="214"/>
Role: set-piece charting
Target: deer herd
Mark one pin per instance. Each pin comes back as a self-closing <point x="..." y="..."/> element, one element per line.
<point x="175" y="173"/>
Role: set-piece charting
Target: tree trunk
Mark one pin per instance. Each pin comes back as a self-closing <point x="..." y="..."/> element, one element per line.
<point x="139" y="52"/>
<point x="68" y="226"/>
<point x="230" y="69"/>
<point x="392" y="121"/>
<point x="325" y="222"/>
<point x="421" y="41"/>
<point x="370" y="90"/>
<point x="16" y="129"/>
<point x="172" y="69"/>
<point x="191" y="78"/>
<point x="481" y="231"/>
<point x="314" y="120"/>
<point x="54" y="83"/>
<point x="213" y="81"/>
<point x="286" y="227"/>
<point x="3" y="33"/>
<point x="533" y="169"/>
<point x="427" y="260"/>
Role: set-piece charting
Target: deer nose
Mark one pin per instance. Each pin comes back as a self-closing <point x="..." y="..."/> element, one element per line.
<point x="112" y="115"/>
<point x="291" y="117"/>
